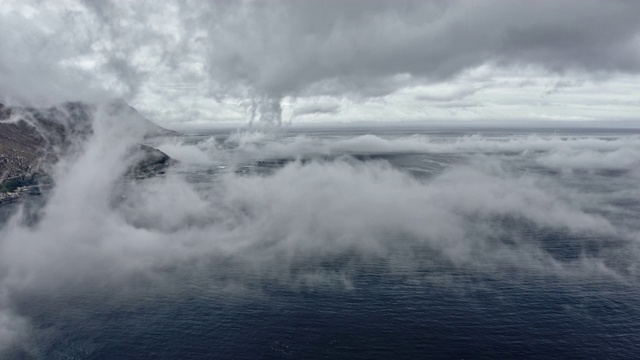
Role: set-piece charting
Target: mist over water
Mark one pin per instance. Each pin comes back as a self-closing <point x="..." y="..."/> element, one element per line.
<point x="383" y="236"/>
<point x="453" y="243"/>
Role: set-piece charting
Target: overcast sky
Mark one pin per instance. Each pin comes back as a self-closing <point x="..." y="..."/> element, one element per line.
<point x="192" y="63"/>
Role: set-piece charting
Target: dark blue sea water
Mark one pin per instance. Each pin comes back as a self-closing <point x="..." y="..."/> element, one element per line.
<point x="359" y="244"/>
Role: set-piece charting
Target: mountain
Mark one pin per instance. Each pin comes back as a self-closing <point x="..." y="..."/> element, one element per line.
<point x="121" y="108"/>
<point x="32" y="140"/>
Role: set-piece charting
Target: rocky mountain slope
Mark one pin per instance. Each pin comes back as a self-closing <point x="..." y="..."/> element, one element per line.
<point x="32" y="140"/>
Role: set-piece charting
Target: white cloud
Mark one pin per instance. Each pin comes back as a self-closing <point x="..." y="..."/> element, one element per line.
<point x="96" y="229"/>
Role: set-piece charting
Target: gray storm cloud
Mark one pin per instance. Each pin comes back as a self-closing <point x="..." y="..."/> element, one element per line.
<point x="264" y="51"/>
<point x="289" y="46"/>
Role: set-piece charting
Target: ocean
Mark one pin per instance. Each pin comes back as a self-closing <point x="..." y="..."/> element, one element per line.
<point x="333" y="243"/>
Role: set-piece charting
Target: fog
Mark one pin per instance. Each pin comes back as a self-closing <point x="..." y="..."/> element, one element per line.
<point x="99" y="230"/>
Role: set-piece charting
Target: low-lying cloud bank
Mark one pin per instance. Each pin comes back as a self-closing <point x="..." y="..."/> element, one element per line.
<point x="559" y="152"/>
<point x="98" y="230"/>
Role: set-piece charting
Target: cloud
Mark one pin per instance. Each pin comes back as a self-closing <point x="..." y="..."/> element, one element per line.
<point x="562" y="84"/>
<point x="447" y="93"/>
<point x="622" y="159"/>
<point x="35" y="49"/>
<point x="263" y="52"/>
<point x="97" y="230"/>
<point x="316" y="108"/>
<point x="549" y="150"/>
<point x="300" y="44"/>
